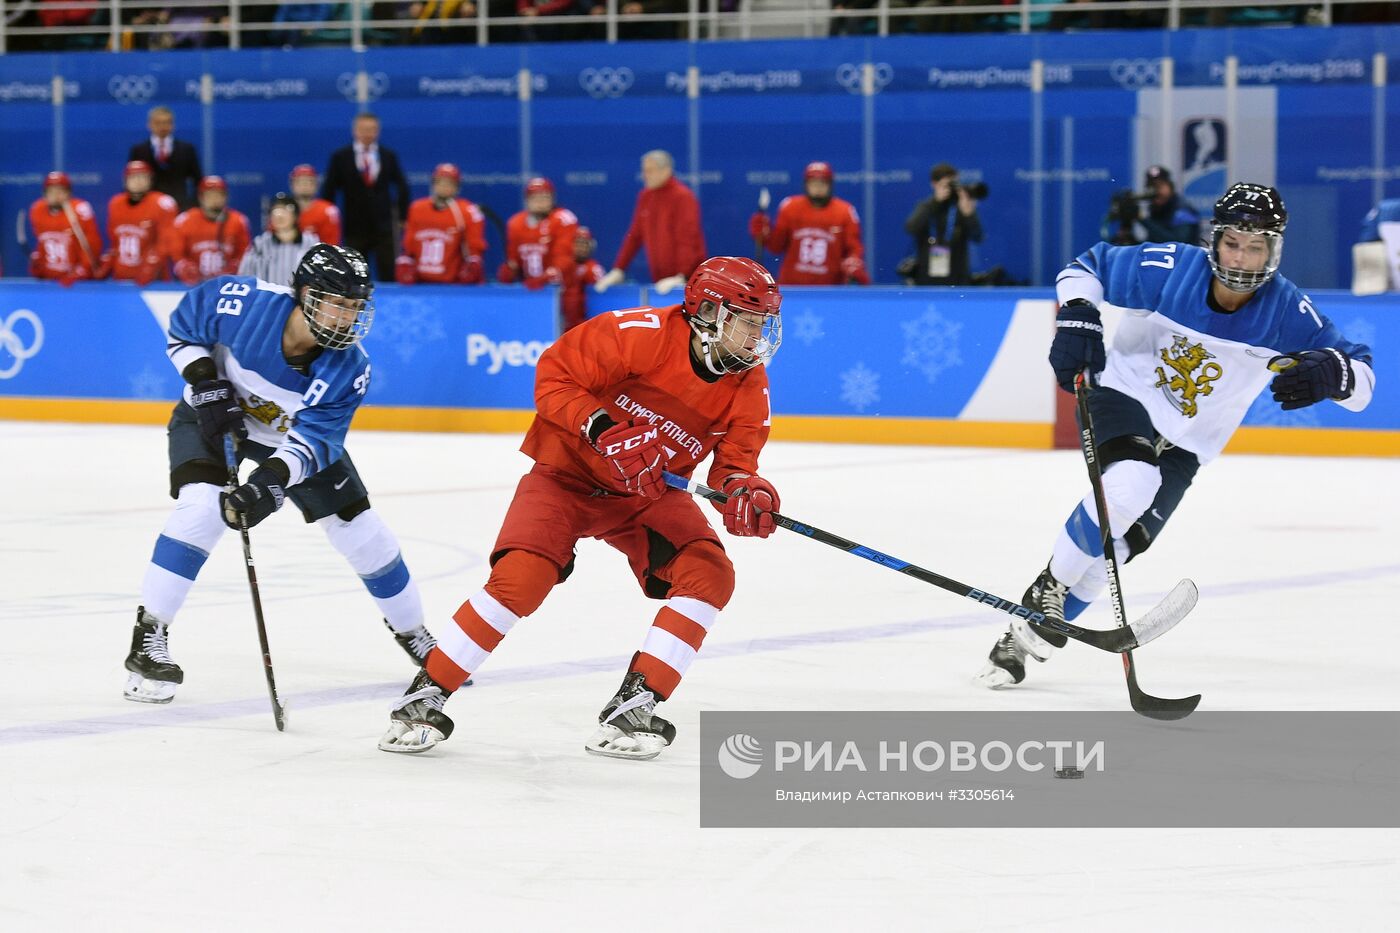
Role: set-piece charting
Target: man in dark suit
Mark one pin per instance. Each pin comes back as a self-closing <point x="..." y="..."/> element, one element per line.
<point x="176" y="162"/>
<point x="376" y="194"/>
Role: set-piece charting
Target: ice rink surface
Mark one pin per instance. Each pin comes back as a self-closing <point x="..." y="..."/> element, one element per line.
<point x="199" y="816"/>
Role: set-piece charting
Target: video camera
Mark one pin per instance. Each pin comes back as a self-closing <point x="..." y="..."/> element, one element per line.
<point x="1124" y="210"/>
<point x="976" y="190"/>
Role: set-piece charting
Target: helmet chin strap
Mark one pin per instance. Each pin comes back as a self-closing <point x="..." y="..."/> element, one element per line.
<point x="708" y="350"/>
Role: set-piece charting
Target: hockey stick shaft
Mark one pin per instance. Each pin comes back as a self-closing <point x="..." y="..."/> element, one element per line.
<point x="279" y="712"/>
<point x="1144" y="703"/>
<point x="1114" y="641"/>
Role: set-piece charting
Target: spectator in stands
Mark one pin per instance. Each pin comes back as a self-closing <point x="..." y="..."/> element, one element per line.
<point x="176" y="162"/>
<point x="376" y="194"/>
<point x="818" y="235"/>
<point x="669" y="29"/>
<point x="314" y="214"/>
<point x="584" y="271"/>
<point x="292" y="15"/>
<point x="209" y="240"/>
<point x="140" y="225"/>
<point x="667" y="222"/>
<point x="277" y="251"/>
<point x="67" y="241"/>
<point x="943" y="226"/>
<point x="445" y="236"/>
<point x="539" y="239"/>
<point x="540" y="9"/>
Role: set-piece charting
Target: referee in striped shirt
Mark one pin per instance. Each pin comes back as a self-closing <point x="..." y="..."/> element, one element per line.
<point x="275" y="254"/>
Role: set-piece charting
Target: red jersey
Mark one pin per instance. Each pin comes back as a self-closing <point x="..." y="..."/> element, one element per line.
<point x="815" y="240"/>
<point x="204" y="248"/>
<point x="60" y="251"/>
<point x="140" y="234"/>
<point x="667" y="223"/>
<point x="541" y="250"/>
<point x="573" y="296"/>
<point x="636" y="364"/>
<point x="436" y="239"/>
<point x="322" y="218"/>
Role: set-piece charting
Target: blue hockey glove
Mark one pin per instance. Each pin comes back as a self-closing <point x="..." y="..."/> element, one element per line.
<point x="217" y="409"/>
<point x="256" y="499"/>
<point x="1078" y="342"/>
<point x="1308" y="377"/>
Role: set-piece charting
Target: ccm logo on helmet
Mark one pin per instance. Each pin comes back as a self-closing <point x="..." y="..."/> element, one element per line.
<point x="632" y="443"/>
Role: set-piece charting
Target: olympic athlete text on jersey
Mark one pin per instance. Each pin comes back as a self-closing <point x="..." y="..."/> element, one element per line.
<point x="620" y="399"/>
<point x="1200" y="332"/>
<point x="280" y="368"/>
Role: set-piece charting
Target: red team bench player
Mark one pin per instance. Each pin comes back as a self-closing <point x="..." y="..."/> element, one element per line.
<point x="619" y="400"/>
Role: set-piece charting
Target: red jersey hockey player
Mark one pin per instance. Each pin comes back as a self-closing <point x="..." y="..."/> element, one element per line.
<point x="445" y="236"/>
<point x="66" y="237"/>
<point x="209" y="240"/>
<point x="582" y="272"/>
<point x="818" y="235"/>
<point x="619" y="400"/>
<point x="140" y="223"/>
<point x="539" y="239"/>
<point x="318" y="215"/>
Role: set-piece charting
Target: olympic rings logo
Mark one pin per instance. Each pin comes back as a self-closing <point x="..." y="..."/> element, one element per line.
<point x="14" y="346"/>
<point x="850" y="76"/>
<point x="605" y="82"/>
<point x="132" y="89"/>
<point x="1134" y="73"/>
<point x="348" y="84"/>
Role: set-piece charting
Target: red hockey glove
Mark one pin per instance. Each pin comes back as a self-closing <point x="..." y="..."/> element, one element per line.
<point x="758" y="226"/>
<point x="187" y="271"/>
<point x="471" y="271"/>
<point x="536" y="282"/>
<point x="73" y="275"/>
<point x="752" y="500"/>
<point x="505" y="274"/>
<point x="104" y="266"/>
<point x="853" y="267"/>
<point x="146" y="273"/>
<point x="634" y="449"/>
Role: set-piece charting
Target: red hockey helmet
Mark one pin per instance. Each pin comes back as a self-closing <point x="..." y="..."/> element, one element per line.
<point x="582" y="233"/>
<point x="303" y="171"/>
<point x="818" y="170"/>
<point x="539" y="185"/>
<point x="447" y="170"/>
<point x="212" y="183"/>
<point x="733" y="304"/>
<point x="58" y="178"/>
<point x="136" y="167"/>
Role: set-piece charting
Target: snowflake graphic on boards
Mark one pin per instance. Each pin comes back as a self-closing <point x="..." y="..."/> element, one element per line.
<point x="931" y="344"/>
<point x="860" y="387"/>
<point x="149" y="383"/>
<point x="807" y="327"/>
<point x="412" y="324"/>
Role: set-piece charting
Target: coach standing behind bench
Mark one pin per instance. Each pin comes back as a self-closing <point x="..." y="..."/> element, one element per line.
<point x="376" y="194"/>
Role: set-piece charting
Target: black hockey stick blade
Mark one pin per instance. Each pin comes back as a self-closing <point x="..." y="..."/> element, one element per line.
<point x="1166" y="614"/>
<point x="1163" y="708"/>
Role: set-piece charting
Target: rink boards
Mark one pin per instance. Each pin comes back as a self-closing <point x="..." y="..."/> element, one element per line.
<point x="878" y="365"/>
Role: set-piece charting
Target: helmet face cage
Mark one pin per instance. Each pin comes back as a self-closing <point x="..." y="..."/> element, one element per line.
<point x="1248" y="210"/>
<point x="735" y="339"/>
<point x="336" y="322"/>
<point x="1244" y="280"/>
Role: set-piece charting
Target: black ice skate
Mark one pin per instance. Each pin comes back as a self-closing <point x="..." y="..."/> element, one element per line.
<point x="416" y="643"/>
<point x="1006" y="665"/>
<point x="153" y="673"/>
<point x="628" y="726"/>
<point x="417" y="722"/>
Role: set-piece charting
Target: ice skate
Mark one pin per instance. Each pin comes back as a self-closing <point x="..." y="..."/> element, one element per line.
<point x="628" y="726"/>
<point x="154" y="674"/>
<point x="416" y="643"/>
<point x="417" y="722"/>
<point x="1006" y="664"/>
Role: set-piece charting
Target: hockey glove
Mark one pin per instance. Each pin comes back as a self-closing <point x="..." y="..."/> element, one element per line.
<point x="758" y="227"/>
<point x="471" y="271"/>
<point x="752" y="502"/>
<point x="104" y="266"/>
<point x="187" y="271"/>
<point x="218" y="411"/>
<point x="635" y="452"/>
<point x="853" y="268"/>
<point x="254" y="500"/>
<point x="1308" y="377"/>
<point x="505" y="274"/>
<point x="146" y="272"/>
<point x="1078" y="342"/>
<point x="405" y="270"/>
<point x="76" y="274"/>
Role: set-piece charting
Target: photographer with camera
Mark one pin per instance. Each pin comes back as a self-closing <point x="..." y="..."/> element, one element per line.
<point x="1168" y="218"/>
<point x="942" y="227"/>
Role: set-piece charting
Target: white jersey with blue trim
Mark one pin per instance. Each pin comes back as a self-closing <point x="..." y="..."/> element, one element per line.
<point x="238" y="321"/>
<point x="1197" y="370"/>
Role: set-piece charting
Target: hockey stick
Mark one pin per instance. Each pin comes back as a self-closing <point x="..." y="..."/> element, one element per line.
<point x="279" y="710"/>
<point x="758" y="240"/>
<point x="1150" y="626"/>
<point x="1144" y="703"/>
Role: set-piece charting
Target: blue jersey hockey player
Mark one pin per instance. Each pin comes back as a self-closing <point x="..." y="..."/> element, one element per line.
<point x="281" y="369"/>
<point x="1191" y="354"/>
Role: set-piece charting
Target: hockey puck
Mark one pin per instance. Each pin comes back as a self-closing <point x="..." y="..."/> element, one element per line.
<point x="1069" y="773"/>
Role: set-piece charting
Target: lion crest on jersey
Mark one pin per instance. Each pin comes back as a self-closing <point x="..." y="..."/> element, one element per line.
<point x="1187" y="375"/>
<point x="266" y="411"/>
